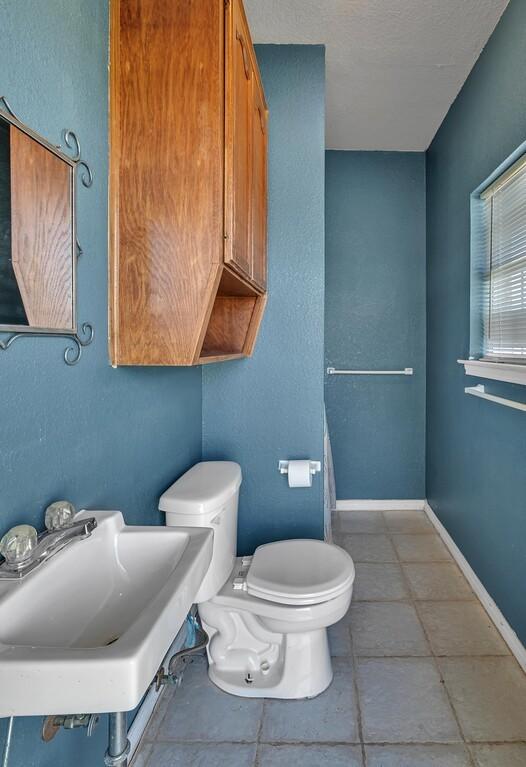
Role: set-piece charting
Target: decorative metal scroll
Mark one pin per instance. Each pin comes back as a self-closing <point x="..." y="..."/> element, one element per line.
<point x="72" y="353"/>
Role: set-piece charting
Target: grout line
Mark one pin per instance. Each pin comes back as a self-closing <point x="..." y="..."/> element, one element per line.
<point x="343" y="742"/>
<point x="412" y="598"/>
<point x="427" y="655"/>
<point x="354" y="669"/>
<point x="197" y="742"/>
<point x="353" y="663"/>
<point x="434" y="658"/>
<point x="307" y="743"/>
<point x="258" y="735"/>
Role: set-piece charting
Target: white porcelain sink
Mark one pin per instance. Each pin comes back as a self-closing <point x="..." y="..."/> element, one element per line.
<point x="88" y="629"/>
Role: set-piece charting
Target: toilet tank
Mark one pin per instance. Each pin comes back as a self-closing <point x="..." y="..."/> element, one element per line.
<point x="207" y="496"/>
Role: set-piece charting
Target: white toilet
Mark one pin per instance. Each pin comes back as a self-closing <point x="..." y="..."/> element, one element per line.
<point x="266" y="615"/>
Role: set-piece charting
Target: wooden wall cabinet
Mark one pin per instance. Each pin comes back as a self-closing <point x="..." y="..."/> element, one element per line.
<point x="188" y="183"/>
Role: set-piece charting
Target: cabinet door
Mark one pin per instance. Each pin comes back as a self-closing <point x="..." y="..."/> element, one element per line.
<point x="238" y="140"/>
<point x="259" y="186"/>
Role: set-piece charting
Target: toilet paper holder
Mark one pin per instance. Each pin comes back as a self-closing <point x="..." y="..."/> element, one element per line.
<point x="315" y="467"/>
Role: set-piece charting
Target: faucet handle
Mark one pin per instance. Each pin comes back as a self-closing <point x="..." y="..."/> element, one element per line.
<point x="59" y="515"/>
<point x="18" y="543"/>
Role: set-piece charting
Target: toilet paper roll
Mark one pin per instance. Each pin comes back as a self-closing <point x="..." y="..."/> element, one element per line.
<point x="299" y="474"/>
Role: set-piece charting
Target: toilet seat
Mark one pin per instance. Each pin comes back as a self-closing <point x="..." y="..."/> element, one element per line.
<point x="299" y="572"/>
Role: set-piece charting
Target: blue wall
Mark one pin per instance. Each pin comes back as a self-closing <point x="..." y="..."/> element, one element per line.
<point x="375" y="318"/>
<point x="476" y="450"/>
<point x="270" y="407"/>
<point x="100" y="437"/>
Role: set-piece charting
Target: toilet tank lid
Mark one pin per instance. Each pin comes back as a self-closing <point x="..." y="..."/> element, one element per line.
<point x="203" y="488"/>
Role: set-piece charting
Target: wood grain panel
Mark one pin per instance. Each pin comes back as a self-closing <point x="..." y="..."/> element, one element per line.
<point x="238" y="138"/>
<point x="166" y="175"/>
<point x="181" y="191"/>
<point x="234" y="320"/>
<point x="41" y="232"/>
<point x="258" y="211"/>
<point x="232" y="284"/>
<point x="228" y="326"/>
<point x="255" y="324"/>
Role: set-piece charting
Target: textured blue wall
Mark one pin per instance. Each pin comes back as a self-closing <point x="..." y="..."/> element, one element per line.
<point x="269" y="407"/>
<point x="375" y="318"/>
<point x="476" y="450"/>
<point x="100" y="437"/>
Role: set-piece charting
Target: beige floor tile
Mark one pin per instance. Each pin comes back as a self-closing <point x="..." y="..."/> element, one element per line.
<point x="439" y="580"/>
<point x="379" y="582"/>
<point x="458" y="628"/>
<point x="201" y="712"/>
<point x="340" y="639"/>
<point x="420" y="548"/>
<point x="330" y="717"/>
<point x="504" y="755"/>
<point x="489" y="697"/>
<point x="403" y="701"/>
<point x="161" y="708"/>
<point x="361" y="522"/>
<point x="369" y="548"/>
<point x="407" y="522"/>
<point x="141" y="755"/>
<point x="310" y="756"/>
<point x="417" y="756"/>
<point x="201" y="754"/>
<point x="387" y="629"/>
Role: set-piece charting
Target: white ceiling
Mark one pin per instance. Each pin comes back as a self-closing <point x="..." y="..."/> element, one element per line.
<point x="394" y="67"/>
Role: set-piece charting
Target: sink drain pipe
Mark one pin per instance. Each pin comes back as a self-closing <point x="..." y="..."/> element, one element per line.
<point x="118" y="743"/>
<point x="8" y="739"/>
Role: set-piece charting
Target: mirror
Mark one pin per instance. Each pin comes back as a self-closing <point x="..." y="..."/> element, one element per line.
<point x="38" y="243"/>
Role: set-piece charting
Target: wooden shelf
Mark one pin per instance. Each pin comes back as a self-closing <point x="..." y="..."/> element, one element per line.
<point x="234" y="320"/>
<point x="205" y="359"/>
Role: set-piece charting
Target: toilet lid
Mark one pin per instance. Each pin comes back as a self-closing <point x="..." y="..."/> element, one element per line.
<point x="299" y="572"/>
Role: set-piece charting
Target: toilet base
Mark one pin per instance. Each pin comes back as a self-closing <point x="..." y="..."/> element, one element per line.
<point x="302" y="669"/>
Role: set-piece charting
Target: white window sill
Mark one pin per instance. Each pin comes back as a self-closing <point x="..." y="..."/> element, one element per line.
<point x="497" y="371"/>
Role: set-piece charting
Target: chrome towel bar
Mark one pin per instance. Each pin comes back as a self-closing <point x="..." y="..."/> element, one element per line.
<point x="336" y="372"/>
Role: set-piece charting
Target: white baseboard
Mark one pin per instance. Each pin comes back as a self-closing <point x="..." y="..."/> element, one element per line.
<point x="373" y="505"/>
<point x="506" y="631"/>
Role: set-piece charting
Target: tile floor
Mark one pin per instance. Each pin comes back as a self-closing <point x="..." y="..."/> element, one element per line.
<point x="422" y="677"/>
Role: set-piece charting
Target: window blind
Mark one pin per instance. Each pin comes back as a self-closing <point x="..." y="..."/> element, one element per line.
<point x="504" y="276"/>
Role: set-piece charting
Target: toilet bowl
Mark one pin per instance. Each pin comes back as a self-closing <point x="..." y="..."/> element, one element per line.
<point x="266" y="615"/>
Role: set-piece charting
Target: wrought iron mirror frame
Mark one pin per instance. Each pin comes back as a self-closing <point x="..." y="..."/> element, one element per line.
<point x="79" y="169"/>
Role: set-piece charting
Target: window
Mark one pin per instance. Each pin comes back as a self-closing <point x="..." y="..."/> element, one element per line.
<point x="498" y="285"/>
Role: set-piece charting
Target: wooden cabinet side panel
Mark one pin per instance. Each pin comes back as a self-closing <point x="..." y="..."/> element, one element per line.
<point x="114" y="144"/>
<point x="255" y="324"/>
<point x="259" y="188"/>
<point x="166" y="174"/>
<point x="239" y="75"/>
<point x="42" y="247"/>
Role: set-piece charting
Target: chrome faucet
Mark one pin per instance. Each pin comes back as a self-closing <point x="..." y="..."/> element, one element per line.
<point x="23" y="549"/>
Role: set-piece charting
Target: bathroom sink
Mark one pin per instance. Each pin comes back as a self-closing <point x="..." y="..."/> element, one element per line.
<point x="86" y="631"/>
